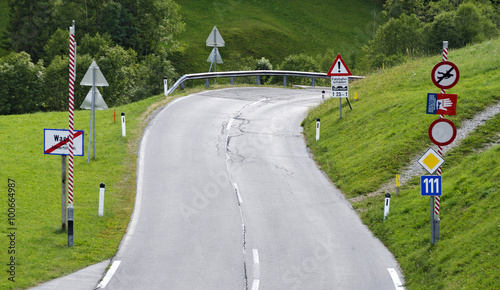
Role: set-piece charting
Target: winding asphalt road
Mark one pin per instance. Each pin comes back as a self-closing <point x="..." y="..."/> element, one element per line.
<point x="228" y="197"/>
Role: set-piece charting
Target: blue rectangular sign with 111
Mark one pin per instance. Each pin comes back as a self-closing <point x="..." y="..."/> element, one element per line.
<point x="430" y="185"/>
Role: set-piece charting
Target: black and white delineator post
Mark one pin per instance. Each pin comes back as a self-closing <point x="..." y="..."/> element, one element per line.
<point x="70" y="225"/>
<point x="93" y="77"/>
<point x="124" y="131"/>
<point x="318" y="123"/>
<point x="101" y="198"/>
<point x="322" y="95"/>
<point x="165" y="86"/>
<point x="387" y="204"/>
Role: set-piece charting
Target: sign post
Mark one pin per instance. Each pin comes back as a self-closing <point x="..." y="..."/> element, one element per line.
<point x="93" y="77"/>
<point x="72" y="76"/>
<point x="340" y="80"/>
<point x="442" y="132"/>
<point x="215" y="40"/>
<point x="56" y="143"/>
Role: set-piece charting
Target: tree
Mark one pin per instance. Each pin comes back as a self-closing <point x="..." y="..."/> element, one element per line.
<point x="27" y="27"/>
<point x="117" y="22"/>
<point x="21" y="80"/>
<point x="159" y="22"/>
<point x="396" y="8"/>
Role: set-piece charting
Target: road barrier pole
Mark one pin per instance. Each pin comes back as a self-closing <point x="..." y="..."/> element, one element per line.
<point x="64" y="185"/>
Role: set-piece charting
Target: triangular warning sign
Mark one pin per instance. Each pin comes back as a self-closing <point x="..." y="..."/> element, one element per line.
<point x="215" y="39"/>
<point x="211" y="56"/>
<point x="100" y="80"/>
<point x="100" y="104"/>
<point x="339" y="68"/>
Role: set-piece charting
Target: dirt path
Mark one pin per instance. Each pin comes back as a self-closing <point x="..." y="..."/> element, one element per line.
<point x="414" y="169"/>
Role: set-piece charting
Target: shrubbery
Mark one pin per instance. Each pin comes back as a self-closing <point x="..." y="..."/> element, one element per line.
<point x="413" y="29"/>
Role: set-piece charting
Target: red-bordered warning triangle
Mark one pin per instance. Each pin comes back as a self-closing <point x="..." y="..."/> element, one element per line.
<point x="339" y="68"/>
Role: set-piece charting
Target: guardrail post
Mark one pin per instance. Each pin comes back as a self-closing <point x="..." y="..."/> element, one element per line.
<point x="284" y="81"/>
<point x="313" y="82"/>
<point x="232" y="81"/>
<point x="182" y="86"/>
<point x="207" y="84"/>
<point x="258" y="80"/>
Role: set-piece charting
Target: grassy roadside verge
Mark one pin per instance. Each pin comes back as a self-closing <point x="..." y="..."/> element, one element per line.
<point x="41" y="251"/>
<point x="379" y="137"/>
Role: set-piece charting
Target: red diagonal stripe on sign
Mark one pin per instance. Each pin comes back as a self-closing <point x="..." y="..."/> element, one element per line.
<point x="60" y="144"/>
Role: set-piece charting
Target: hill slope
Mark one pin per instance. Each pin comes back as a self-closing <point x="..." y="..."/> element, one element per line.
<point x="274" y="29"/>
<point x="385" y="130"/>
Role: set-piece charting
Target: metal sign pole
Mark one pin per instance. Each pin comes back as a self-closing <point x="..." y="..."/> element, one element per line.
<point x="437" y="201"/>
<point x="92" y="116"/>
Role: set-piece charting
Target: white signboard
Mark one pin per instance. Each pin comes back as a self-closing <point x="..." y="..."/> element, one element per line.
<point x="340" y="87"/>
<point x="56" y="142"/>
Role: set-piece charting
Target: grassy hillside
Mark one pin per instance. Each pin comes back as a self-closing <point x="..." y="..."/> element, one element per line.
<point x="40" y="246"/>
<point x="385" y="130"/>
<point x="274" y="29"/>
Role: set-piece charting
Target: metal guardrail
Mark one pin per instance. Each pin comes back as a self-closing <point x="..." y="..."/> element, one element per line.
<point x="256" y="73"/>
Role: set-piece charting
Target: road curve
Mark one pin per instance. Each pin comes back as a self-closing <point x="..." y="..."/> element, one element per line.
<point x="228" y="197"/>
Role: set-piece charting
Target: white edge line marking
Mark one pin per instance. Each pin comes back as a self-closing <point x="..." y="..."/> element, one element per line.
<point x="395" y="279"/>
<point x="255" y="256"/>
<point x="255" y="284"/>
<point x="256" y="270"/>
<point x="109" y="274"/>
<point x="237" y="192"/>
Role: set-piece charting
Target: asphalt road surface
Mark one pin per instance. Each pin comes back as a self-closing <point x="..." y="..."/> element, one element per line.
<point x="228" y="197"/>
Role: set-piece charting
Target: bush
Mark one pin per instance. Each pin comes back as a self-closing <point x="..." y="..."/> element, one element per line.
<point x="298" y="62"/>
<point x="21" y="82"/>
<point x="263" y="64"/>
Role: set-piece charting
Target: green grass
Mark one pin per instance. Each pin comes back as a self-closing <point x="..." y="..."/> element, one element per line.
<point x="385" y="130"/>
<point x="41" y="246"/>
<point x="274" y="29"/>
<point x="388" y="124"/>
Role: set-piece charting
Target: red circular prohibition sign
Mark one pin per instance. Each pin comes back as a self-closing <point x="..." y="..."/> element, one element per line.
<point x="442" y="132"/>
<point x="449" y="68"/>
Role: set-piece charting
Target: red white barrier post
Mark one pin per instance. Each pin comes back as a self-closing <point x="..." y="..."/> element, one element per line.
<point x="72" y="76"/>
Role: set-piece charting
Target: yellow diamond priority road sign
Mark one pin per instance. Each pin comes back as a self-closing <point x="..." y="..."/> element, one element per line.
<point x="431" y="160"/>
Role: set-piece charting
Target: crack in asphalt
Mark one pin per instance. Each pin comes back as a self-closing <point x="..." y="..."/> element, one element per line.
<point x="228" y="154"/>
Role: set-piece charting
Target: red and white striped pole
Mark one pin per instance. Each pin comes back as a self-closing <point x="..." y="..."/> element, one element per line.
<point x="437" y="199"/>
<point x="72" y="76"/>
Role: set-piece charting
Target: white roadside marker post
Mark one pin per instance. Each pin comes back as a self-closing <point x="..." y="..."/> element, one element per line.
<point x="124" y="131"/>
<point x="101" y="199"/>
<point x="318" y="121"/>
<point x="387" y="204"/>
<point x="165" y="86"/>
